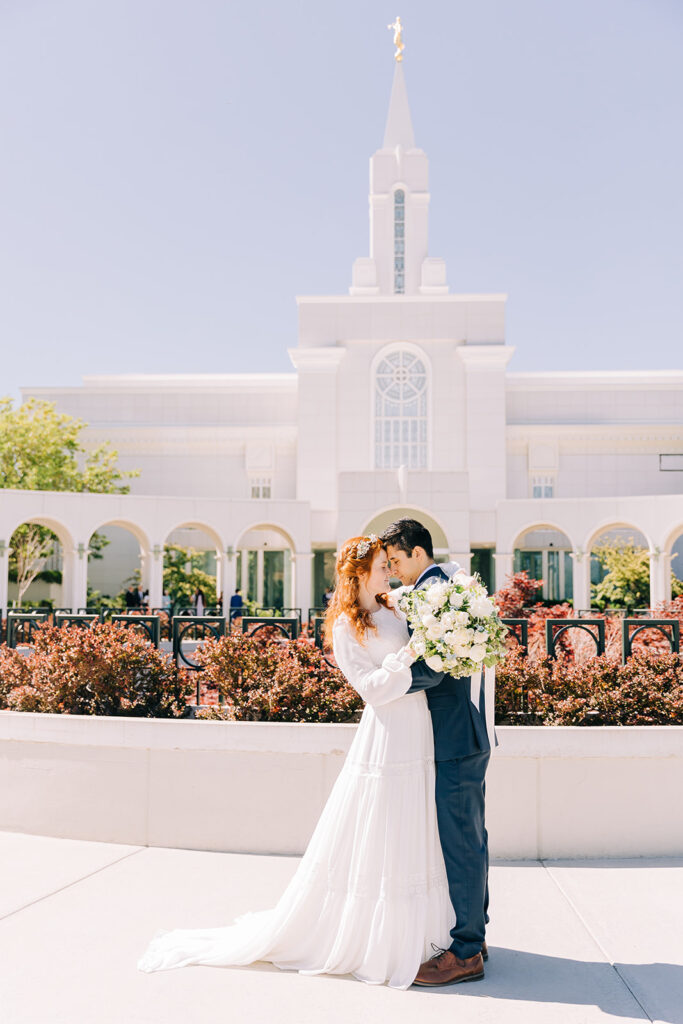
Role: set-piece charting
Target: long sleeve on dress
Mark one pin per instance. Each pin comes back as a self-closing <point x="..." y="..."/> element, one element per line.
<point x="377" y="685"/>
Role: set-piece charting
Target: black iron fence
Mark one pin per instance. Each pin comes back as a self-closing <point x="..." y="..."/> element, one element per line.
<point x="187" y="629"/>
<point x="287" y="626"/>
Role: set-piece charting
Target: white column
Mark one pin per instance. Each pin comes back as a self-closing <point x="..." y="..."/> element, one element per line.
<point x="4" y="578"/>
<point x="226" y="577"/>
<point x="581" y="580"/>
<point x="75" y="570"/>
<point x="154" y="581"/>
<point x="244" y="580"/>
<point x="666" y="577"/>
<point x="259" y="577"/>
<point x="303" y="571"/>
<point x="660" y="576"/>
<point x="504" y="562"/>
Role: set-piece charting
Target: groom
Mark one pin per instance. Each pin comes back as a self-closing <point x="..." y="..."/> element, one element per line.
<point x="461" y="754"/>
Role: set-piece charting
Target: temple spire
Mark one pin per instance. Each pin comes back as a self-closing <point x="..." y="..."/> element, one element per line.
<point x="399" y="127"/>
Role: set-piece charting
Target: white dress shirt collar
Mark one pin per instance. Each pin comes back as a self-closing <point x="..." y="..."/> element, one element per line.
<point x="424" y="573"/>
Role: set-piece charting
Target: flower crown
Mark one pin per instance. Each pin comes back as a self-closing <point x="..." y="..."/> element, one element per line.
<point x="363" y="546"/>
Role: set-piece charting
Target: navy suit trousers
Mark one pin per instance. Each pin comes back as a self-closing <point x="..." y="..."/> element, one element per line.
<point x="460" y="794"/>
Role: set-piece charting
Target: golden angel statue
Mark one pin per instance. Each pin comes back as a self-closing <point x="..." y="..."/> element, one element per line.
<point x="398" y="38"/>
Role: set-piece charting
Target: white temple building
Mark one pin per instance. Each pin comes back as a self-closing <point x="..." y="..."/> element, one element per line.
<point x="402" y="400"/>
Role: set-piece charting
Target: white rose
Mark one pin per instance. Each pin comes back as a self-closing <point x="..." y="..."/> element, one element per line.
<point x="435" y="632"/>
<point x="435" y="662"/>
<point x="461" y="651"/>
<point x="419" y="646"/>
<point x="462" y="636"/>
<point x="456" y="600"/>
<point x="481" y="607"/>
<point x="461" y="618"/>
<point x="449" y="619"/>
<point x="428" y="619"/>
<point x="478" y="652"/>
<point x="436" y="595"/>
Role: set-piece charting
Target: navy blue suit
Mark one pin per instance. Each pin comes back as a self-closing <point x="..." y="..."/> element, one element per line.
<point x="461" y="753"/>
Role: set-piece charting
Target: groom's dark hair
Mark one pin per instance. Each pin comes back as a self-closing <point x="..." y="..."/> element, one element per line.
<point x="407" y="534"/>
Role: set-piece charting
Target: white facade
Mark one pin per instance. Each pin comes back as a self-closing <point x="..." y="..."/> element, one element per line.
<point x="400" y="400"/>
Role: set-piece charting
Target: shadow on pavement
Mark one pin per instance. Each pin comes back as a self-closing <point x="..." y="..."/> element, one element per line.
<point x="535" y="978"/>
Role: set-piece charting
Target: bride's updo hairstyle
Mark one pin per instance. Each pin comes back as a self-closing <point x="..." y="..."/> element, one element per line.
<point x="354" y="561"/>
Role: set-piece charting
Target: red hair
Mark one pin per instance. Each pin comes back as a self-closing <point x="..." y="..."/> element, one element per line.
<point x="349" y="570"/>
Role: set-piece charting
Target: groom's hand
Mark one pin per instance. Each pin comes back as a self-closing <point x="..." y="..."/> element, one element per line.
<point x="424" y="677"/>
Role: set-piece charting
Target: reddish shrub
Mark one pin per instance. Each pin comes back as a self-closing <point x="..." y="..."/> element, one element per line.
<point x="520" y="682"/>
<point x="14" y="673"/>
<point x="275" y="680"/>
<point x="515" y="598"/>
<point x="104" y="670"/>
<point x="648" y="690"/>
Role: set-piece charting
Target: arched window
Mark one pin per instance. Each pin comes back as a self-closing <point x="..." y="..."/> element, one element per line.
<point x="401" y="411"/>
<point x="399" y="241"/>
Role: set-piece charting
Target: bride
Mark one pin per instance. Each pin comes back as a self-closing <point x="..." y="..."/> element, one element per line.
<point x="370" y="893"/>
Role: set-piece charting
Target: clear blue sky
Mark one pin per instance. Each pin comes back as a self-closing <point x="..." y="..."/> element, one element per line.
<point x="174" y="173"/>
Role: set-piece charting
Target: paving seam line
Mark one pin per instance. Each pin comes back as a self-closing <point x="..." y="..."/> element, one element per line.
<point x="69" y="885"/>
<point x="597" y="942"/>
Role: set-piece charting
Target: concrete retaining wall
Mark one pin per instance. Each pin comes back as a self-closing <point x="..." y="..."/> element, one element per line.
<point x="259" y="787"/>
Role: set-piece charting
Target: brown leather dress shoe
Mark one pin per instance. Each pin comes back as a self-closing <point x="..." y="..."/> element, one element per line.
<point x="484" y="950"/>
<point x="445" y="968"/>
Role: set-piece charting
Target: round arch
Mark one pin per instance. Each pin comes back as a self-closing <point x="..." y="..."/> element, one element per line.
<point x="384" y="517"/>
<point x="267" y="526"/>
<point x="265" y="570"/>
<point x="673" y="535"/>
<point x="543" y="550"/>
<point x="542" y="526"/>
<point x="62" y="562"/>
<point x="198" y="524"/>
<point x="112" y="571"/>
<point x="673" y="547"/>
<point x="621" y="530"/>
<point x="615" y="524"/>
<point x="125" y="524"/>
<point x="62" y="532"/>
<point x="208" y="547"/>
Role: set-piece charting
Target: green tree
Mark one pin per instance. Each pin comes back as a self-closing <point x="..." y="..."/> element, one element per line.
<point x="184" y="574"/>
<point x="627" y="581"/>
<point x="41" y="450"/>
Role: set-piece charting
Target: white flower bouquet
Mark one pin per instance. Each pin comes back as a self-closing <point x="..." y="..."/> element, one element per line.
<point x="456" y="626"/>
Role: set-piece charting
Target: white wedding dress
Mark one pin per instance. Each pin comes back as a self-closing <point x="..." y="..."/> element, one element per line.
<point x="370" y="894"/>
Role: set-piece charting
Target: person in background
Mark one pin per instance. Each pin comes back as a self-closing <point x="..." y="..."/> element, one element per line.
<point x="131" y="598"/>
<point x="327" y="597"/>
<point x="236" y="605"/>
<point x="199" y="601"/>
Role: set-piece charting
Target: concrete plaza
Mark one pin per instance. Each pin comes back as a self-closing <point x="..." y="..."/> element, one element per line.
<point x="570" y="941"/>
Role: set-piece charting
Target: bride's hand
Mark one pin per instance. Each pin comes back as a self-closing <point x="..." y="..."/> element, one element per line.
<point x="409" y="650"/>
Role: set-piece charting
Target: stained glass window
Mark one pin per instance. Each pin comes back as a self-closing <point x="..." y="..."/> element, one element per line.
<point x="399" y="240"/>
<point x="401" y="412"/>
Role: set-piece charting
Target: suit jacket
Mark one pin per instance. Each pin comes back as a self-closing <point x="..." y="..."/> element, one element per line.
<point x="459" y="727"/>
